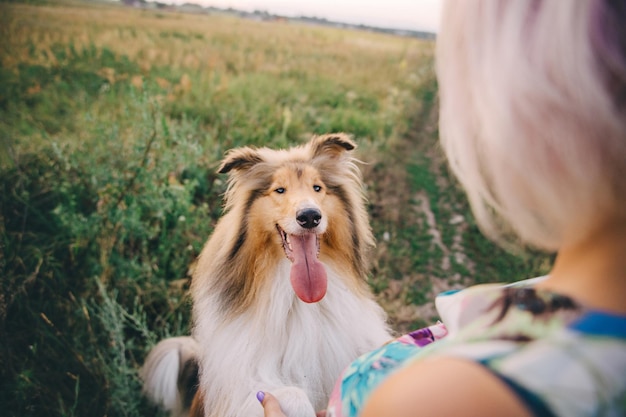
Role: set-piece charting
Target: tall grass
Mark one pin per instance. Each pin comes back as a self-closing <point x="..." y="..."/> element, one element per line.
<point x="112" y="122"/>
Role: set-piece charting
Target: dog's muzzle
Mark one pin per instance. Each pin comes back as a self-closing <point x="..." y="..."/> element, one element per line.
<point x="309" y="218"/>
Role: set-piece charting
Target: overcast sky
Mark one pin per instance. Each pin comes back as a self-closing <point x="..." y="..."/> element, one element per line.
<point x="401" y="14"/>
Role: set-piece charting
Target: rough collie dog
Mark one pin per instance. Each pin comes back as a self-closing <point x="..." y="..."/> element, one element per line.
<point x="280" y="298"/>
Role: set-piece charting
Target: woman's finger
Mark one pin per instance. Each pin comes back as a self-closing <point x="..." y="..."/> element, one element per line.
<point x="271" y="407"/>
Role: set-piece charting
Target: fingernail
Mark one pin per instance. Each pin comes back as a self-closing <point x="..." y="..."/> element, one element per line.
<point x="260" y="396"/>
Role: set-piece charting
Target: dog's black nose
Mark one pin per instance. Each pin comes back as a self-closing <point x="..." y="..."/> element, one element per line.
<point x="309" y="218"/>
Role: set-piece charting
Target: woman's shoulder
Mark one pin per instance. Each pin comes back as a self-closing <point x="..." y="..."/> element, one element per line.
<point x="442" y="386"/>
<point x="522" y="325"/>
<point x="578" y="370"/>
<point x="546" y="348"/>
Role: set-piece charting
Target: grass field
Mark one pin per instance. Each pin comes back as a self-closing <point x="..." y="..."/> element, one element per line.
<point x="112" y="123"/>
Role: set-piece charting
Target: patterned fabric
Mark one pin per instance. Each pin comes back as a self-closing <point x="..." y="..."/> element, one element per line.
<point x="558" y="357"/>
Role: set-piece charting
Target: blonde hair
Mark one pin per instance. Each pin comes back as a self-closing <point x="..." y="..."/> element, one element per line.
<point x="532" y="114"/>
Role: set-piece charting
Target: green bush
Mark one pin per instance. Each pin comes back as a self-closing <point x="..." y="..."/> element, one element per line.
<point x="96" y="252"/>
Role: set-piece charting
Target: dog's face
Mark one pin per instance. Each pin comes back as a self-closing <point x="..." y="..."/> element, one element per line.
<point x="294" y="208"/>
<point x="290" y="203"/>
<point x="296" y="197"/>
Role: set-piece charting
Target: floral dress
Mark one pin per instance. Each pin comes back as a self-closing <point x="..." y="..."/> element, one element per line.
<point x="558" y="357"/>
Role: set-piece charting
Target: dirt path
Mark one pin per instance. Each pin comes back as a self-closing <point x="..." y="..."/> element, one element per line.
<point x="427" y="240"/>
<point x="413" y="255"/>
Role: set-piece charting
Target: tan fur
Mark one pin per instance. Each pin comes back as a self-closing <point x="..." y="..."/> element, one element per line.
<point x="197" y="406"/>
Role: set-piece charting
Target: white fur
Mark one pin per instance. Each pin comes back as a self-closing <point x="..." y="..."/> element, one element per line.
<point x="284" y="343"/>
<point x="160" y="372"/>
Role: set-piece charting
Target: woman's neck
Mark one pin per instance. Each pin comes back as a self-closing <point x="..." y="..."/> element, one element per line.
<point x="594" y="271"/>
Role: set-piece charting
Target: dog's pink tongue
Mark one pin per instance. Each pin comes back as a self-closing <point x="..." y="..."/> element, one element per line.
<point x="308" y="276"/>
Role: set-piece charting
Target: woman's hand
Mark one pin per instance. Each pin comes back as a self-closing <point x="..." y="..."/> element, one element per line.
<point x="271" y="407"/>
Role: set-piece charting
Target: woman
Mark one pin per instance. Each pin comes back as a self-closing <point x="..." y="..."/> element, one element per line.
<point x="533" y="122"/>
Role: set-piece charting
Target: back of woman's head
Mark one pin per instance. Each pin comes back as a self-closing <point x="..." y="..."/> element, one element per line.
<point x="533" y="114"/>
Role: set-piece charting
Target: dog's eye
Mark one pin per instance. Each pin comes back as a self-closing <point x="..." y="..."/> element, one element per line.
<point x="317" y="188"/>
<point x="280" y="190"/>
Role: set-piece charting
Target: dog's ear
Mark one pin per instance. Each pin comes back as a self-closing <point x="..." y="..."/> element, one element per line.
<point x="239" y="159"/>
<point x="332" y="144"/>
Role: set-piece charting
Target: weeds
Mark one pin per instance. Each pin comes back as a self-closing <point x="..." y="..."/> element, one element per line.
<point x="93" y="253"/>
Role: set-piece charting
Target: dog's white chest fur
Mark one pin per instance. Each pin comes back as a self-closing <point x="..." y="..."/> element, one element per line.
<point x="283" y="342"/>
